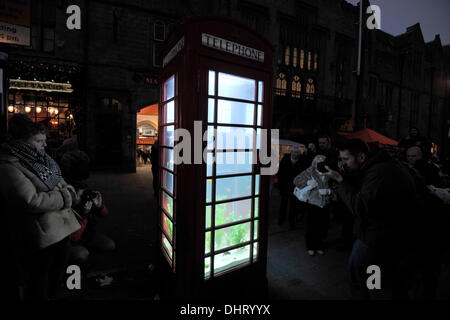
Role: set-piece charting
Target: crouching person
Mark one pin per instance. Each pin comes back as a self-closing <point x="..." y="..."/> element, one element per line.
<point x="87" y="240"/>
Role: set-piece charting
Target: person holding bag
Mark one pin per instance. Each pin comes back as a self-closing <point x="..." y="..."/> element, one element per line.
<point x="36" y="205"/>
<point x="312" y="188"/>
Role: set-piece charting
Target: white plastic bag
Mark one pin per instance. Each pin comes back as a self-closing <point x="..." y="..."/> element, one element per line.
<point x="303" y="194"/>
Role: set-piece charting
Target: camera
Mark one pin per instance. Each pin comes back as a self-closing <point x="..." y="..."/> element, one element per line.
<point x="321" y="167"/>
<point x="88" y="195"/>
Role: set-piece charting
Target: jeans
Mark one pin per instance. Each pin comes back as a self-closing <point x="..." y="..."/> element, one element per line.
<point x="360" y="258"/>
<point x="394" y="266"/>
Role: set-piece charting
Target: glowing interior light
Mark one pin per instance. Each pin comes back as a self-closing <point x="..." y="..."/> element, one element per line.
<point x="27" y="109"/>
<point x="11" y="108"/>
<point x="38" y="109"/>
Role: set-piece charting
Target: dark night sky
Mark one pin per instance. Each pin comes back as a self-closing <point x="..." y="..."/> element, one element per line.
<point x="433" y="16"/>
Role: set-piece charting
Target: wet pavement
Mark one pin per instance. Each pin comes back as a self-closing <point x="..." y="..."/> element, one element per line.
<point x="292" y="274"/>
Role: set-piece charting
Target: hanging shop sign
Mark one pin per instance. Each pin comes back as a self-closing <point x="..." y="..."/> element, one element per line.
<point x="232" y="47"/>
<point x="40" y="86"/>
<point x="15" y="22"/>
<point x="173" y="52"/>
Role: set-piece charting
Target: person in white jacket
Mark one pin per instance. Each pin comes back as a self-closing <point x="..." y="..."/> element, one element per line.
<point x="317" y="194"/>
<point x="36" y="209"/>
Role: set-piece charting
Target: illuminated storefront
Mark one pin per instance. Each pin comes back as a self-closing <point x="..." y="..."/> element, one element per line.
<point x="147" y="127"/>
<point x="46" y="98"/>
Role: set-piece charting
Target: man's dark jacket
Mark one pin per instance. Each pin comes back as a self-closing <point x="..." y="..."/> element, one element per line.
<point x="383" y="201"/>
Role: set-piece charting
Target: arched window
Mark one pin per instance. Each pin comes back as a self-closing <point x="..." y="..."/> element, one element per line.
<point x="280" y="87"/>
<point x="310" y="89"/>
<point x="309" y="60"/>
<point x="302" y="59"/>
<point x="287" y="54"/>
<point x="316" y="58"/>
<point x="294" y="58"/>
<point x="296" y="87"/>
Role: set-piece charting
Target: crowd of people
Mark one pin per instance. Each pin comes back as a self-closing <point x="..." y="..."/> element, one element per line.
<point x="386" y="201"/>
<point x="143" y="156"/>
<point x="49" y="213"/>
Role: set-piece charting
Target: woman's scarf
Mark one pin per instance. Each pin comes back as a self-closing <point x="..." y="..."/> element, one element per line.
<point x="38" y="162"/>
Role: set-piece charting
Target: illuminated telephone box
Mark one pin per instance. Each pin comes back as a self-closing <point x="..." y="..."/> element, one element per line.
<point x="215" y="85"/>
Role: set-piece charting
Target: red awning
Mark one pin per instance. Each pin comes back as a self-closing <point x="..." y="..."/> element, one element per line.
<point x="369" y="136"/>
<point x="149" y="111"/>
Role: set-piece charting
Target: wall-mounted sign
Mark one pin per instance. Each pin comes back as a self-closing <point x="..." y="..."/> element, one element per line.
<point x="173" y="52"/>
<point x="15" y="22"/>
<point x="14" y="34"/>
<point x="232" y="47"/>
<point x="40" y="86"/>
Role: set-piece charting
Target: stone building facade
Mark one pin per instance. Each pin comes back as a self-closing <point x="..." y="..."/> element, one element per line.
<point x="113" y="62"/>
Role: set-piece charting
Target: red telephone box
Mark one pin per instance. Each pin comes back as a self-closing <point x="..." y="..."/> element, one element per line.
<point x="216" y="77"/>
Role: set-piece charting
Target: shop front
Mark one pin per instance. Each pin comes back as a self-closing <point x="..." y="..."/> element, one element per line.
<point x="146" y="133"/>
<point x="46" y="97"/>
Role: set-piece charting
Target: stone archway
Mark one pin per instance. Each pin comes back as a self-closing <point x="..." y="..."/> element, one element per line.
<point x="148" y="122"/>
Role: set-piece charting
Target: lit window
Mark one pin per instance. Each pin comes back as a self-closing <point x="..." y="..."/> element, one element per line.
<point x="294" y="58"/>
<point x="296" y="87"/>
<point x="316" y="57"/>
<point x="448" y="122"/>
<point x="287" y="53"/>
<point x="280" y="88"/>
<point x="309" y="60"/>
<point x="434" y="149"/>
<point x="302" y="59"/>
<point x="231" y="236"/>
<point x="310" y="89"/>
<point x="168" y="174"/>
